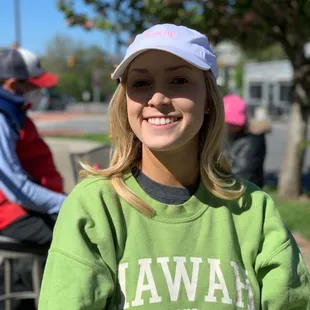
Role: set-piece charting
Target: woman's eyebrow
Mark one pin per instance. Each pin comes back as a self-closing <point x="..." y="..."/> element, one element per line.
<point x="179" y="67"/>
<point x="144" y="70"/>
<point x="140" y="70"/>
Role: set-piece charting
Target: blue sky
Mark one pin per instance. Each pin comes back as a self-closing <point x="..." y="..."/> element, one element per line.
<point x="40" y="21"/>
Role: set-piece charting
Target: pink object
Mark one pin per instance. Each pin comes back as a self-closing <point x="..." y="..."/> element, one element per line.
<point x="97" y="166"/>
<point x="235" y="110"/>
<point x="164" y="32"/>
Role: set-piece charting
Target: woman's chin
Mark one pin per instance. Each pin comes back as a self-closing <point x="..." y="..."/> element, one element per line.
<point x="161" y="144"/>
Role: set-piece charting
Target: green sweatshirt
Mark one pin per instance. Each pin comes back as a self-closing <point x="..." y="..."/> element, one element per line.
<point x="204" y="254"/>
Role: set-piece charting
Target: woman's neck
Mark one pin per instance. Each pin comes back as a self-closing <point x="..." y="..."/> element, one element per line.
<point x="178" y="168"/>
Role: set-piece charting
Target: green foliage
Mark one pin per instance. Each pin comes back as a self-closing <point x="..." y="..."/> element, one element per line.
<point x="295" y="215"/>
<point x="305" y="144"/>
<point x="251" y="23"/>
<point x="273" y="52"/>
<point x="74" y="81"/>
<point x="239" y="77"/>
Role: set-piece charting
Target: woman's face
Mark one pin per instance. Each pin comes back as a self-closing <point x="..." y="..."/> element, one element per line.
<point x="166" y="101"/>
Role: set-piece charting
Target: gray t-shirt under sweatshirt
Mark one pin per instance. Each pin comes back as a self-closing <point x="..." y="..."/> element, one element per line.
<point x="163" y="193"/>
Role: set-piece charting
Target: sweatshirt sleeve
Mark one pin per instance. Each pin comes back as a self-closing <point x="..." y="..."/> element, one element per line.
<point x="282" y="273"/>
<point x="15" y="183"/>
<point x="77" y="274"/>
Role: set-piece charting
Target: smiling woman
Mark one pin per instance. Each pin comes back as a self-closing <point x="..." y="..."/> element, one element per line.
<point x="206" y="239"/>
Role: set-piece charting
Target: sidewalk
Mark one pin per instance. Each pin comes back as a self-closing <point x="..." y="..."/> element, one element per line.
<point x="304" y="246"/>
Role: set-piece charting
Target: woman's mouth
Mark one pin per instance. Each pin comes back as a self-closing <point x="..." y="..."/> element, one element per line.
<point x="162" y="121"/>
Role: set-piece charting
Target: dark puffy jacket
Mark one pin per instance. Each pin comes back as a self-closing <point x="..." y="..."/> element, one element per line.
<point x="247" y="152"/>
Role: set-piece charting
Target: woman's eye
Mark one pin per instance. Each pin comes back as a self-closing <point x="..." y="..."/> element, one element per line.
<point x="179" y="81"/>
<point x="140" y="84"/>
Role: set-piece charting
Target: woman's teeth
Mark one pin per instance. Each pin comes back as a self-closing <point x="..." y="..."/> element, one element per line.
<point x="162" y="120"/>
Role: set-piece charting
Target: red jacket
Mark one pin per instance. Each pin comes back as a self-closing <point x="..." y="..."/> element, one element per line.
<point x="36" y="159"/>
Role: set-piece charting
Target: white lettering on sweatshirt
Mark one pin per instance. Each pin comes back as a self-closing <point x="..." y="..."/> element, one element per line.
<point x="218" y="291"/>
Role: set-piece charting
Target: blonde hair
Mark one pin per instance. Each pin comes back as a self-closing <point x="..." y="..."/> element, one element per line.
<point x="215" y="171"/>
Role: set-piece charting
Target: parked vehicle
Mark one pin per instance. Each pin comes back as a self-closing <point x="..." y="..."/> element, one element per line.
<point x="54" y="101"/>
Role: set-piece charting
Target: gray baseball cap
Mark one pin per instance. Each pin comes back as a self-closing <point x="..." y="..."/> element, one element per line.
<point x="21" y="64"/>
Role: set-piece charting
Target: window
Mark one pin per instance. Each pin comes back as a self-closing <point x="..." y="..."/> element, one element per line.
<point x="286" y="92"/>
<point x="256" y="91"/>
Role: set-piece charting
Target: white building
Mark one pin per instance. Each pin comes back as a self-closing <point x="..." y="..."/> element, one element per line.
<point x="269" y="84"/>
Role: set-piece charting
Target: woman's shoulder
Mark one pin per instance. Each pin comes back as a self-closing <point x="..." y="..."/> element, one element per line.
<point x="93" y="183"/>
<point x="253" y="189"/>
<point x="98" y="183"/>
<point x="252" y="210"/>
<point x="91" y="187"/>
<point x="255" y="199"/>
<point x="252" y="200"/>
<point x="91" y="197"/>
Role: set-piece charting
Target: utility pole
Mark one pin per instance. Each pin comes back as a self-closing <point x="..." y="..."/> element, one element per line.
<point x="17" y="23"/>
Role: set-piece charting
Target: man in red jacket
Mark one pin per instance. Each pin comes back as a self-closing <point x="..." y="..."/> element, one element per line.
<point x="31" y="189"/>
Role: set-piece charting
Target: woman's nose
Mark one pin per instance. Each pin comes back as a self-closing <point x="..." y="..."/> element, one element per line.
<point x="159" y="99"/>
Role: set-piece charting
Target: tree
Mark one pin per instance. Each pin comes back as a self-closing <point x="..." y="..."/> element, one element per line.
<point x="251" y="23"/>
<point x="272" y="52"/>
<point x="74" y="63"/>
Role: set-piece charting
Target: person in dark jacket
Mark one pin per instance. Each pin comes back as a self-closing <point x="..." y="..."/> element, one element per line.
<point x="246" y="145"/>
